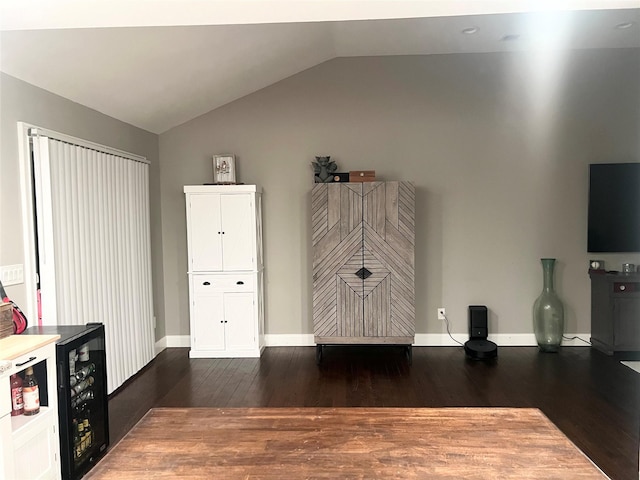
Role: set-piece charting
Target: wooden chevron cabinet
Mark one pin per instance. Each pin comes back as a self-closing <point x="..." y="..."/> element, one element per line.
<point x="363" y="238"/>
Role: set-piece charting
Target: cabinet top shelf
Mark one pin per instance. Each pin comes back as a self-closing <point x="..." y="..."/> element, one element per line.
<point x="222" y="189"/>
<point x="15" y="345"/>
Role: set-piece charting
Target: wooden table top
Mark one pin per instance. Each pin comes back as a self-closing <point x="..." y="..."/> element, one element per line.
<point x="13" y="346"/>
<point x="339" y="443"/>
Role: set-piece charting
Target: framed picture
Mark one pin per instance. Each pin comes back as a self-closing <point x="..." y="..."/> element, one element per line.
<point x="224" y="169"/>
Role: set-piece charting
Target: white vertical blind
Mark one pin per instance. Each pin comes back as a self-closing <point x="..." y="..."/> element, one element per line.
<point x="92" y="211"/>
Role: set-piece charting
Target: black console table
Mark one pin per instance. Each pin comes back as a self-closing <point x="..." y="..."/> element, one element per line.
<point x="615" y="312"/>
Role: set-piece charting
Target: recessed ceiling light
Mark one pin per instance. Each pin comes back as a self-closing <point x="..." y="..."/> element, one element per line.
<point x="510" y="38"/>
<point x="470" y="30"/>
<point x="624" y="26"/>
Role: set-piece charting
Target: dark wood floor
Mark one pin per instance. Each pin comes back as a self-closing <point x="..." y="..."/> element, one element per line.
<point x="591" y="397"/>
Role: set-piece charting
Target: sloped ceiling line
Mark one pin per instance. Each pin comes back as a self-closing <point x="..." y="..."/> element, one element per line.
<point x="159" y="77"/>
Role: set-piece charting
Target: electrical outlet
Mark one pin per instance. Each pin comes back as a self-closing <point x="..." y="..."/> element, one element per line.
<point x="441" y="313"/>
<point x="12" y="275"/>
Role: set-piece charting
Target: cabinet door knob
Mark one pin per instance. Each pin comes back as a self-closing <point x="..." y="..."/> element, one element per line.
<point x="206" y="283"/>
<point x="622" y="287"/>
<point x="239" y="282"/>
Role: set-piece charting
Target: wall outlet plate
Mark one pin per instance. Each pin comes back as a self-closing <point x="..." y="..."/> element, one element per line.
<point x="12" y="275"/>
<point x="442" y="313"/>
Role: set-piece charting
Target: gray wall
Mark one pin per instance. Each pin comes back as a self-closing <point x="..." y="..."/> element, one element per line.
<point x="497" y="145"/>
<point x="20" y="101"/>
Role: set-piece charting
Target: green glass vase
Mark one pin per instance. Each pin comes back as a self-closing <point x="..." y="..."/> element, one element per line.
<point x="548" y="312"/>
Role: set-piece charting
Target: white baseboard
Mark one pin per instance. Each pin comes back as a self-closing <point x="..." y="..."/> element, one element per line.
<point x="177" y="341"/>
<point x="161" y="345"/>
<point x="500" y="339"/>
<point x="289" y="340"/>
<point x="435" y="340"/>
<point x="421" y="340"/>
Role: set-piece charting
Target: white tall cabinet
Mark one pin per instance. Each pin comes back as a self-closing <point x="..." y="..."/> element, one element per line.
<point x="224" y="240"/>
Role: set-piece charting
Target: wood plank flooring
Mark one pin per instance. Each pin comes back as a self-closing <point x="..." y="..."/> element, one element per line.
<point x="336" y="443"/>
<point x="590" y="397"/>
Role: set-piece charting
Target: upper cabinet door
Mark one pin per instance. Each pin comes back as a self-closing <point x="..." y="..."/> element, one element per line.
<point x="205" y="233"/>
<point x="239" y="233"/>
<point x="389" y="238"/>
<point x="223" y="229"/>
<point x="337" y="259"/>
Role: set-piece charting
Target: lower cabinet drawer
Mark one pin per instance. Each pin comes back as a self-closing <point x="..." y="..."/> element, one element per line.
<point x="222" y="283"/>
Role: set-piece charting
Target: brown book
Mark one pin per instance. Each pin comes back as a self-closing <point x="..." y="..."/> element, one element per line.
<point x="362" y="176"/>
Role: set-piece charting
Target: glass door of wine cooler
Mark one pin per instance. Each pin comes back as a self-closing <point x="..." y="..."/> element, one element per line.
<point x="84" y="385"/>
<point x="82" y="396"/>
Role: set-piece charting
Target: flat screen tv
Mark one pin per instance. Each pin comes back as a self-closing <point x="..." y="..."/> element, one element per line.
<point x="614" y="207"/>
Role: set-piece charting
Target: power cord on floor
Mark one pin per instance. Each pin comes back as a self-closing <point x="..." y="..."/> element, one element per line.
<point x="577" y="338"/>
<point x="446" y="321"/>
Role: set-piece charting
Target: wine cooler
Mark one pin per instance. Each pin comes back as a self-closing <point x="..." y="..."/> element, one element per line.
<point x="82" y="395"/>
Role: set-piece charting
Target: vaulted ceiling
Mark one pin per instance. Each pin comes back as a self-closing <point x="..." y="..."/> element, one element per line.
<point x="160" y="75"/>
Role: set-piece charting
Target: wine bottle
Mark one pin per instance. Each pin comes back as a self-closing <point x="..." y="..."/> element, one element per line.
<point x="81" y="446"/>
<point x="81" y="375"/>
<point x="83" y="356"/>
<point x="30" y="393"/>
<point x="83" y="385"/>
<point x="76" y="440"/>
<point x="88" y="432"/>
<point x="72" y="362"/>
<point x="82" y="397"/>
<point x="85" y="371"/>
<point x="17" y="401"/>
